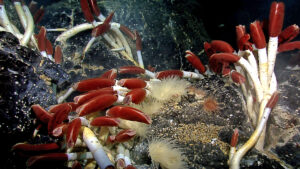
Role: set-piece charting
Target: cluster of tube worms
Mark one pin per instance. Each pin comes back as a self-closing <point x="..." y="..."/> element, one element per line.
<point x="75" y="121"/>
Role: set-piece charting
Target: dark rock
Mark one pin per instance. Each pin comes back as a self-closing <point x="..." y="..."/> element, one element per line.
<point x="22" y="86"/>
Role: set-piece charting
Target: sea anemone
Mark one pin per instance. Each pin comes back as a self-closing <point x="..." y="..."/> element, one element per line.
<point x="141" y="129"/>
<point x="150" y="106"/>
<point x="210" y="104"/>
<point x="168" y="88"/>
<point x="164" y="152"/>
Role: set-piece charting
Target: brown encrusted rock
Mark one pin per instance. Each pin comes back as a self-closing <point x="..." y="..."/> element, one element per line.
<point x="203" y="134"/>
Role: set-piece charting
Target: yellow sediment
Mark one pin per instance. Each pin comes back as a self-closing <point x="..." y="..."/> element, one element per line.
<point x="200" y="132"/>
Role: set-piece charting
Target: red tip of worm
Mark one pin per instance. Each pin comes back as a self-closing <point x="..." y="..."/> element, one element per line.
<point x="110" y="74"/>
<point x="221" y="46"/>
<point x="132" y="83"/>
<point x="257" y="35"/>
<point x="288" y="46"/>
<point x="125" y="135"/>
<point x="93" y="84"/>
<point x="128" y="113"/>
<point x="131" y="70"/>
<point x="86" y="10"/>
<point x="41" y="38"/>
<point x="35" y="147"/>
<point x="224" y="57"/>
<point x="72" y="132"/>
<point x="46" y="159"/>
<point x="135" y="96"/>
<point x="195" y="61"/>
<point x="273" y="100"/>
<point x="83" y="98"/>
<point x="138" y="41"/>
<point x="94" y="6"/>
<point x="237" y="77"/>
<point x="58" y="55"/>
<point x="168" y="73"/>
<point x="41" y="113"/>
<point x="96" y="104"/>
<point x="276" y="18"/>
<point x="105" y="121"/>
<point x="288" y="33"/>
<point x="234" y="138"/>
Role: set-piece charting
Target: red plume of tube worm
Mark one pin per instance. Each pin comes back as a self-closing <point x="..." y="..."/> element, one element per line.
<point x="288" y="46"/>
<point x="168" y="73"/>
<point x="93" y="84"/>
<point x="59" y="116"/>
<point x="214" y="65"/>
<point x="38" y="15"/>
<point x="73" y="106"/>
<point x="100" y="29"/>
<point x="195" y="61"/>
<point x="96" y="104"/>
<point x="86" y="10"/>
<point x="35" y="147"/>
<point x="138" y="41"/>
<point x="105" y="121"/>
<point x="60" y="130"/>
<point x="109" y="18"/>
<point x="276" y="18"/>
<point x="33" y="7"/>
<point x="46" y="158"/>
<point x="234" y="138"/>
<point x="125" y="135"/>
<point x="49" y="47"/>
<point x="41" y="38"/>
<point x="41" y="113"/>
<point x="131" y="70"/>
<point x="128" y="113"/>
<point x="122" y="136"/>
<point x="135" y="96"/>
<point x="59" y="107"/>
<point x="221" y="46"/>
<point x="111" y="139"/>
<point x="208" y="49"/>
<point x="132" y="83"/>
<point x="243" y="38"/>
<point x="72" y="132"/>
<point x="94" y="6"/>
<point x="240" y="32"/>
<point x="273" y="100"/>
<point x="58" y="55"/>
<point x="81" y="99"/>
<point x="244" y="43"/>
<point x="225" y="69"/>
<point x="237" y="77"/>
<point x="288" y="33"/>
<point x="127" y="31"/>
<point x="224" y="57"/>
<point x="110" y="74"/>
<point x="257" y="35"/>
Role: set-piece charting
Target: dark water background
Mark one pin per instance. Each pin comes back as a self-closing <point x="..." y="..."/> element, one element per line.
<point x="221" y="16"/>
